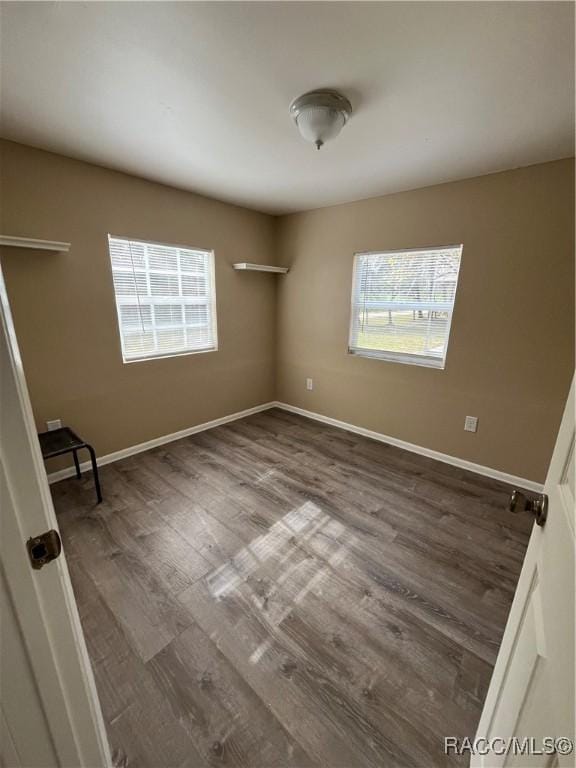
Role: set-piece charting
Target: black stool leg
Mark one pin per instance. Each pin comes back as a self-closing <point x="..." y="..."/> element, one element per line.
<point x="77" y="464"/>
<point x="95" y="473"/>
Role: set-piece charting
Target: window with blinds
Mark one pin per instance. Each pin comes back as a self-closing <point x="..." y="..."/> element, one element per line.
<point x="402" y="304"/>
<point x="165" y="298"/>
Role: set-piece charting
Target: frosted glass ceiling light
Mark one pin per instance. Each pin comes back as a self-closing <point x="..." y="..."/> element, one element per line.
<point x="320" y="115"/>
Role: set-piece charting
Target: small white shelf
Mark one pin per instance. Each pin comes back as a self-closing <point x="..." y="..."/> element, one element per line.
<point x="29" y="242"/>
<point x="244" y="265"/>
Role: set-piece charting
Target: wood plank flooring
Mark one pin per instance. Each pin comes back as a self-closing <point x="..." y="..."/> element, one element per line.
<point x="276" y="592"/>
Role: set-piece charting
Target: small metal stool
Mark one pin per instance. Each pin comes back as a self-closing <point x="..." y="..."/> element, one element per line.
<point x="59" y="441"/>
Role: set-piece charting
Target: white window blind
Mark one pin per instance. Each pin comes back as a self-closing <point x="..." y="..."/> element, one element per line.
<point x="165" y="298"/>
<point x="402" y="303"/>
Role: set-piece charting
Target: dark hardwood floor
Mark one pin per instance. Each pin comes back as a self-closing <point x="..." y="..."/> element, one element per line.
<point x="276" y="592"/>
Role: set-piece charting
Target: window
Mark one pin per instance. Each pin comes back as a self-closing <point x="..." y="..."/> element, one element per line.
<point x="402" y="303"/>
<point x="165" y="298"/>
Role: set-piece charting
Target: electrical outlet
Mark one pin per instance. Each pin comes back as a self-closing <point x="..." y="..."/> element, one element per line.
<point x="54" y="424"/>
<point x="471" y="423"/>
<point x="309" y="385"/>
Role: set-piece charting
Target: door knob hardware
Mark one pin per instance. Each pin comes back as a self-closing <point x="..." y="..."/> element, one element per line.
<point x="538" y="505"/>
<point x="44" y="548"/>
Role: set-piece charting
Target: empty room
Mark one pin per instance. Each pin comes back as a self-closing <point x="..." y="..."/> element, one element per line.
<point x="287" y="384"/>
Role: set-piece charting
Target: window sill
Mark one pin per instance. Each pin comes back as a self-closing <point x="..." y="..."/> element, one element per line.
<point x="404" y="359"/>
<point x="168" y="355"/>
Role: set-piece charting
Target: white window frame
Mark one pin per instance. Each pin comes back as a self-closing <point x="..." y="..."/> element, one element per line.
<point x="405" y="358"/>
<point x="211" y="304"/>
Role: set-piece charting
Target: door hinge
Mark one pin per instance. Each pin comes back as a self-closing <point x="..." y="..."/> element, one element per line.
<point x="44" y="548"/>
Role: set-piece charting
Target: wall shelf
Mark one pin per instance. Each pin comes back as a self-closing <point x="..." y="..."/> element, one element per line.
<point x="260" y="268"/>
<point x="29" y="242"/>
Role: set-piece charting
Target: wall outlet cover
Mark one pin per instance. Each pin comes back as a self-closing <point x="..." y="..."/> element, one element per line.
<point x="309" y="384"/>
<point x="471" y="424"/>
<point x="54" y="424"/>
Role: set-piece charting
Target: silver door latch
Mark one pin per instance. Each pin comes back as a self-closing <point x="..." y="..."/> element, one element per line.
<point x="538" y="505"/>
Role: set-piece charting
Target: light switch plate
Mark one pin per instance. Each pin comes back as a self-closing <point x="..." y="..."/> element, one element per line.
<point x="471" y="424"/>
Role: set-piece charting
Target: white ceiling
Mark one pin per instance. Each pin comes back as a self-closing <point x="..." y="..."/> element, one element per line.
<point x="196" y="95"/>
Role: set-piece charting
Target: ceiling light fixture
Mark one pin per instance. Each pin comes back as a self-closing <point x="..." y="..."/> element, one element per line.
<point x="320" y="115"/>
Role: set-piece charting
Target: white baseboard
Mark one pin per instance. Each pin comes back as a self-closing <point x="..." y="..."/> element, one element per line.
<point x="453" y="460"/>
<point x="479" y="469"/>
<point x="133" y="449"/>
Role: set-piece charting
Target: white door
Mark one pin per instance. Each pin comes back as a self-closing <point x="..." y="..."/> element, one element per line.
<point x="49" y="711"/>
<point x="531" y="693"/>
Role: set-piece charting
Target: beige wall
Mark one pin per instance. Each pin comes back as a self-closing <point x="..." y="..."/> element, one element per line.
<point x="511" y="349"/>
<point x="511" y="352"/>
<point x="64" y="310"/>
